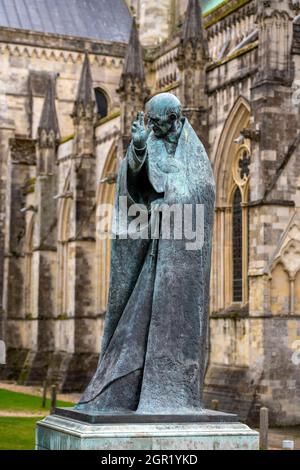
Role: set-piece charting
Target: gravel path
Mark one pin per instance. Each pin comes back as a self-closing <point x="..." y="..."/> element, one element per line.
<point x="22" y="414"/>
<point x="38" y="391"/>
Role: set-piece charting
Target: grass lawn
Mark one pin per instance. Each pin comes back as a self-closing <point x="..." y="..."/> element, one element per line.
<point x="17" y="433"/>
<point x="14" y="401"/>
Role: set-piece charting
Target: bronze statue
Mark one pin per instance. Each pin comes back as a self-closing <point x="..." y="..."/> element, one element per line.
<point x="155" y="337"/>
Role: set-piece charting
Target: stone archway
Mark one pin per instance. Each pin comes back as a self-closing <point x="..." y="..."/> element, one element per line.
<point x="228" y="178"/>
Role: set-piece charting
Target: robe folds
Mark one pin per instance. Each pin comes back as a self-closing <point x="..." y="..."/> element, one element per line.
<point x="154" y="345"/>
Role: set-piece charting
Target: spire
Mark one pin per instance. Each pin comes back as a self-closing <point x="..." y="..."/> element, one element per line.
<point x="134" y="66"/>
<point x="192" y="60"/>
<point x="49" y="121"/>
<point x="133" y="88"/>
<point x="84" y="97"/>
<point x="192" y="29"/>
<point x="193" y="45"/>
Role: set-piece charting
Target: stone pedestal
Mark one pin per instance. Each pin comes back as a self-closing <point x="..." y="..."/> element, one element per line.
<point x="208" y="431"/>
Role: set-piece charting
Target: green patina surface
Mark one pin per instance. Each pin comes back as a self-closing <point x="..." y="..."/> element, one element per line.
<point x="56" y="433"/>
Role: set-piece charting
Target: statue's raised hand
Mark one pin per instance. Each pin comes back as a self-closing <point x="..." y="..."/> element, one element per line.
<point x="139" y="132"/>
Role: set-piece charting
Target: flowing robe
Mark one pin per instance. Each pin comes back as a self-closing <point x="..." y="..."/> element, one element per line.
<point x="155" y="336"/>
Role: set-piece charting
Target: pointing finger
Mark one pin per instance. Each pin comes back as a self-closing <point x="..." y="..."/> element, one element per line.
<point x="142" y="118"/>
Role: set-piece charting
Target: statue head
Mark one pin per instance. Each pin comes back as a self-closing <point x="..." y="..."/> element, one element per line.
<point x="163" y="113"/>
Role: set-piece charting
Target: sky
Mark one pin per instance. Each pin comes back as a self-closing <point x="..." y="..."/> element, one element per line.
<point x="209" y="4"/>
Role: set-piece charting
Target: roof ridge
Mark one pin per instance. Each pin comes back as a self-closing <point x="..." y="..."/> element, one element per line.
<point x="105" y="20"/>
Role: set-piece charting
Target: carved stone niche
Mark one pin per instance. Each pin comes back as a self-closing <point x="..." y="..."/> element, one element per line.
<point x="285" y="275"/>
<point x="291" y="258"/>
<point x="288" y="251"/>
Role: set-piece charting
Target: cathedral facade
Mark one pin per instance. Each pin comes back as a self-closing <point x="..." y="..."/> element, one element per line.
<point x="71" y="83"/>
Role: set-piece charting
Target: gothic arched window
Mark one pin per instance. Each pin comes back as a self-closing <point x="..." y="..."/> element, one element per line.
<point x="237" y="247"/>
<point x="240" y="225"/>
<point x="105" y="197"/>
<point x="232" y="168"/>
<point x="102" y="104"/>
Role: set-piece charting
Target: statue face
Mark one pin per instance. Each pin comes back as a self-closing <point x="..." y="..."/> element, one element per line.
<point x="161" y="125"/>
<point x="163" y="113"/>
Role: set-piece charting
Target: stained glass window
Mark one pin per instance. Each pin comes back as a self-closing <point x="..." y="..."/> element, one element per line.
<point x="101" y="102"/>
<point x="237" y="246"/>
<point x="244" y="163"/>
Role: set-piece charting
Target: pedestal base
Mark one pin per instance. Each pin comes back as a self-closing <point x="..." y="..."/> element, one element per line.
<point x="61" y="433"/>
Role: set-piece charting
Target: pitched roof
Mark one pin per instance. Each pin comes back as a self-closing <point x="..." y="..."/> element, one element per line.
<point x="108" y="20"/>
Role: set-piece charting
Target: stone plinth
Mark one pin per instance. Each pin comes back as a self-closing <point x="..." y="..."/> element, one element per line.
<point x="208" y="431"/>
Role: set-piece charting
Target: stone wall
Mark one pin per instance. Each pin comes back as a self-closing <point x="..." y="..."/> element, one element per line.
<point x="43" y="340"/>
<point x="54" y="321"/>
